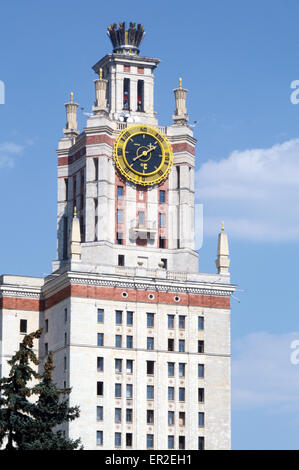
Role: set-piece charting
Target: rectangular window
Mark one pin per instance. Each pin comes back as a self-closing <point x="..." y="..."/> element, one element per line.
<point x="117" y="390"/>
<point x="100" y="339"/>
<point x="118" y="341"/>
<point x="129" y="439"/>
<point x="117" y="439"/>
<point x="201" y="370"/>
<point x="162" y="242"/>
<point x="170" y="321"/>
<point x="150" y="343"/>
<point x="46" y="348"/>
<point x="129" y="366"/>
<point x="150" y="320"/>
<point x="201" y="395"/>
<point x="100" y="389"/>
<point x="201" y="419"/>
<point x="181" y="442"/>
<point x="121" y="260"/>
<point x="99" y="438"/>
<point x="182" y="369"/>
<point x="171" y="393"/>
<point x="170" y="442"/>
<point x="120" y="192"/>
<point x="201" y="443"/>
<point x="64" y="363"/>
<point x="129" y="391"/>
<point x="170" y="418"/>
<point x="100" y="315"/>
<point x="126" y="98"/>
<point x="140" y="95"/>
<point x="181" y="394"/>
<point x="100" y="413"/>
<point x="182" y="418"/>
<point x="170" y="369"/>
<point x="47" y="325"/>
<point x="181" y="345"/>
<point x="100" y="364"/>
<point x="149" y="416"/>
<point x="118" y="365"/>
<point x="141" y="218"/>
<point x="162" y="219"/>
<point x="129" y="342"/>
<point x="200" y="323"/>
<point x="65" y="315"/>
<point x="150" y="365"/>
<point x="182" y="322"/>
<point x="170" y="344"/>
<point x="117" y="415"/>
<point x="129" y="415"/>
<point x="162" y="197"/>
<point x="119" y="238"/>
<point x="150" y="392"/>
<point x="200" y="346"/>
<point x="119" y="215"/>
<point x="129" y="318"/>
<point x="149" y="441"/>
<point x="118" y="317"/>
<point x="23" y="326"/>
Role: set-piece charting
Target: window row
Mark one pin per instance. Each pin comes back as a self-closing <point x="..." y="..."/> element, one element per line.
<point x="161" y="196"/>
<point x="150" y="343"/>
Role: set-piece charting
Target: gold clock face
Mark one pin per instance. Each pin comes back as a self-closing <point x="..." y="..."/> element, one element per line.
<point x="143" y="155"/>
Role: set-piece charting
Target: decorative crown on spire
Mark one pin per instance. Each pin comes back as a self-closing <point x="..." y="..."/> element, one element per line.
<point x="126" y="41"/>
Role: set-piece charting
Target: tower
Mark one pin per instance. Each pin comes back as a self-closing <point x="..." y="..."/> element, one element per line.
<point x="139" y="334"/>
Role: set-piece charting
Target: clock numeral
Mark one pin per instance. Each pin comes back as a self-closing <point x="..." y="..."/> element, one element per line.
<point x="126" y="169"/>
<point x="143" y="129"/>
<point x="119" y="152"/>
<point x="160" y="172"/>
<point x="159" y="137"/>
<point x="125" y="136"/>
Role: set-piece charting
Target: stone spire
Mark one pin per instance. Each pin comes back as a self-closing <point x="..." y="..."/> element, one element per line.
<point x="75" y="239"/>
<point x="100" y="104"/>
<point x="222" y="261"/>
<point x="126" y="41"/>
<point x="180" y="115"/>
<point x="71" y="127"/>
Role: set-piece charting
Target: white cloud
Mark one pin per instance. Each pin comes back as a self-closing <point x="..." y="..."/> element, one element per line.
<point x="256" y="193"/>
<point x="8" y="152"/>
<point x="263" y="374"/>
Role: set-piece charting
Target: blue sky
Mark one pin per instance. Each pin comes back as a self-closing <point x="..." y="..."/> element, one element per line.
<point x="237" y="59"/>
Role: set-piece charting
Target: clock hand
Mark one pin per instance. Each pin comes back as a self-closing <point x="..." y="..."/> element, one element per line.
<point x="145" y="152"/>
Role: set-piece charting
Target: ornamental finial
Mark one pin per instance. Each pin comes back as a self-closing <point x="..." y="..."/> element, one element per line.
<point x="72" y="97"/>
<point x="75" y="211"/>
<point x="180" y="82"/>
<point x="222" y="226"/>
<point x="101" y="73"/>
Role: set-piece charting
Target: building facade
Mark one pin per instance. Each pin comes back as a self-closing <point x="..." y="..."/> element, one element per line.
<point x="141" y="336"/>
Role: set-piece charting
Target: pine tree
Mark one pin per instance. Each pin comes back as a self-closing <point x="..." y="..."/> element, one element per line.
<point x="51" y="410"/>
<point x="16" y="410"/>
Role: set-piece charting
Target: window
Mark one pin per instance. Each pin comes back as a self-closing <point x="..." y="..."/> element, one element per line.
<point x="182" y="418"/>
<point x="141" y="218"/>
<point x="201" y="370"/>
<point x="117" y="439"/>
<point x="119" y="238"/>
<point x="118" y="365"/>
<point x="118" y="341"/>
<point x="129" y="439"/>
<point x="162" y="197"/>
<point x="65" y="339"/>
<point x="182" y="322"/>
<point x="65" y="315"/>
<point x="181" y="442"/>
<point x="118" y="317"/>
<point x="100" y="339"/>
<point x="170" y="418"/>
<point x="121" y="260"/>
<point x="201" y="419"/>
<point x="181" y="345"/>
<point x="200" y="346"/>
<point x="201" y="395"/>
<point x="170" y="344"/>
<point x="47" y="326"/>
<point x="46" y="348"/>
<point x="150" y="367"/>
<point x="119" y="215"/>
<point x="129" y="318"/>
<point x="64" y="363"/>
<point x="150" y="392"/>
<point x="100" y="315"/>
<point x="129" y="415"/>
<point x="129" y="342"/>
<point x="23" y="326"/>
<point x="129" y="391"/>
<point x="170" y="321"/>
<point x="100" y="413"/>
<point x="182" y="369"/>
<point x="100" y="364"/>
<point x="129" y="366"/>
<point x="117" y="390"/>
<point x="117" y="415"/>
<point x="171" y="393"/>
<point x="149" y="441"/>
<point x="201" y="443"/>
<point x="170" y="442"/>
<point x="100" y="389"/>
<point x="181" y="394"/>
<point x="140" y="95"/>
<point x="120" y="192"/>
<point x="126" y="98"/>
<point x="99" y="438"/>
<point x="149" y="416"/>
<point x="164" y="261"/>
<point x="162" y="219"/>
<point x="170" y="369"/>
<point x="162" y="242"/>
<point x="200" y="323"/>
<point x="150" y="343"/>
<point x="150" y="320"/>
